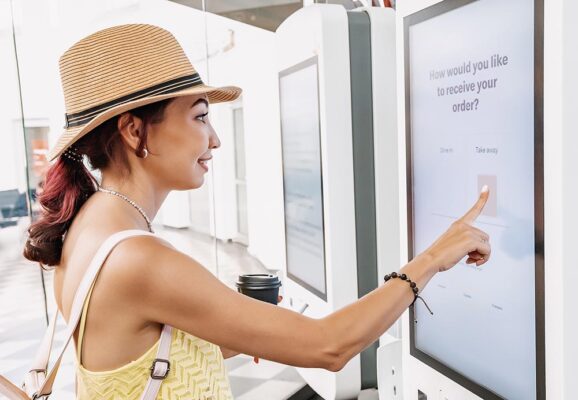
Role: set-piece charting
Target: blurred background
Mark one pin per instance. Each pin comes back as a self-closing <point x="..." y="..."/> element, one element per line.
<point x="232" y="225"/>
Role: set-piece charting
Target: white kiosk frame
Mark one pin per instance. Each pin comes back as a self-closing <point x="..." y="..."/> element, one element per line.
<point x="355" y="53"/>
<point x="322" y="31"/>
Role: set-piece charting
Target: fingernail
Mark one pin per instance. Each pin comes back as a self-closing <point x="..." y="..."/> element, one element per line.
<point x="485" y="188"/>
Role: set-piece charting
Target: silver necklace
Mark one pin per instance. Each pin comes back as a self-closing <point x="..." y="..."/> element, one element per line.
<point x="131" y="202"/>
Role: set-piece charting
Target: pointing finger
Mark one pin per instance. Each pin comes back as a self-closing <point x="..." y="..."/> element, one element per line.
<point x="476" y="210"/>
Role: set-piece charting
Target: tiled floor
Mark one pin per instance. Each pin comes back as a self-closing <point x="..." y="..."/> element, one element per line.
<point x="22" y="318"/>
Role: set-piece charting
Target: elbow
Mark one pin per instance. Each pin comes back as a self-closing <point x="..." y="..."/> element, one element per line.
<point x="335" y="354"/>
<point x="334" y="361"/>
<point x="324" y="357"/>
<point x="335" y="365"/>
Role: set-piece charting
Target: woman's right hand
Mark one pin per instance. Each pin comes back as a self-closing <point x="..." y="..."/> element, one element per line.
<point x="462" y="239"/>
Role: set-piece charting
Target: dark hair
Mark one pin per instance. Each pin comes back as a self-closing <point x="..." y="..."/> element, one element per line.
<point x="69" y="183"/>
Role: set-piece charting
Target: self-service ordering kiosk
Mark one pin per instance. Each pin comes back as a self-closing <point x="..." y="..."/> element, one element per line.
<point x="338" y="124"/>
<point x="472" y="111"/>
<point x="472" y="116"/>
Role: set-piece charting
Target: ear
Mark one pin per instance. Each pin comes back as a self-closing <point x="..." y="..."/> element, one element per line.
<point x="130" y="128"/>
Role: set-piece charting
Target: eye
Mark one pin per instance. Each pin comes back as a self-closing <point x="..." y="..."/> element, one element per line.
<point x="202" y="117"/>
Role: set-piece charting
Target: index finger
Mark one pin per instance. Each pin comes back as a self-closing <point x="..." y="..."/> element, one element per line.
<point x="477" y="209"/>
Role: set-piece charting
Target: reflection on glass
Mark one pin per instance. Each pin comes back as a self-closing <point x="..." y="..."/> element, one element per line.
<point x="239" y="133"/>
<point x="13" y="186"/>
<point x="240" y="176"/>
<point x="36" y="136"/>
<point x="44" y="30"/>
<point x="21" y="296"/>
<point x="247" y="177"/>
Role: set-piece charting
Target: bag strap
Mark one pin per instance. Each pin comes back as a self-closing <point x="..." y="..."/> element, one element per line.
<point x="77" y="305"/>
<point x="11" y="391"/>
<point x="161" y="365"/>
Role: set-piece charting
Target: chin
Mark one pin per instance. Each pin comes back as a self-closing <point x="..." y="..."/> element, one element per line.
<point x="193" y="183"/>
<point x="197" y="183"/>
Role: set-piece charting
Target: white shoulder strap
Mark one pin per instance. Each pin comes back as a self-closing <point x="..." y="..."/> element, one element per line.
<point x="161" y="365"/>
<point x="37" y="385"/>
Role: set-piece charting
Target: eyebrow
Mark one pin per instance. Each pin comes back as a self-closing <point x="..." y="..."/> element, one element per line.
<point x="201" y="100"/>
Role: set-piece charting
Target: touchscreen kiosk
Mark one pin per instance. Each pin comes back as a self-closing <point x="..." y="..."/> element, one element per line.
<point x="473" y="109"/>
<point x="318" y="176"/>
<point x="336" y="129"/>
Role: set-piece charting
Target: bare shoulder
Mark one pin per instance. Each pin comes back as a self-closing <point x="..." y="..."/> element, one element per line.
<point x="144" y="265"/>
<point x="141" y="250"/>
<point x="140" y="256"/>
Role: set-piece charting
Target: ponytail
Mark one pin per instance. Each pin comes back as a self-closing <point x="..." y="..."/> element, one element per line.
<point x="69" y="183"/>
<point x="67" y="186"/>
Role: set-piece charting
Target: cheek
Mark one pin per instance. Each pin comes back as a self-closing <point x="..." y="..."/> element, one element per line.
<point x="184" y="143"/>
<point x="198" y="143"/>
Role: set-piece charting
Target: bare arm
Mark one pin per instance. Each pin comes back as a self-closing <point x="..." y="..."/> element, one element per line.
<point x="361" y="323"/>
<point x="174" y="289"/>
<point x="341" y="321"/>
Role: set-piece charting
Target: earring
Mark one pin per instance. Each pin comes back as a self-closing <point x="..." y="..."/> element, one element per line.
<point x="143" y="153"/>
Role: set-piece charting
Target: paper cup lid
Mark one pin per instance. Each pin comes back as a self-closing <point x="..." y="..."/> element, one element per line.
<point x="258" y="281"/>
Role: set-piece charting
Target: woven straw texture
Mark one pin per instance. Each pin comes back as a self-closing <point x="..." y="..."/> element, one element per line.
<point x="103" y="73"/>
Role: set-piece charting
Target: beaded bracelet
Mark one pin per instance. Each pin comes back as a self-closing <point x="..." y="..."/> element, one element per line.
<point x="413" y="286"/>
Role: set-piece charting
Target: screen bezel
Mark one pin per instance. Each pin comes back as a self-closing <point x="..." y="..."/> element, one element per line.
<point x="420" y="16"/>
<point x="295" y="68"/>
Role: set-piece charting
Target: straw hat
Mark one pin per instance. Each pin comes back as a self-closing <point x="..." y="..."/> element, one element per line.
<point x="122" y="68"/>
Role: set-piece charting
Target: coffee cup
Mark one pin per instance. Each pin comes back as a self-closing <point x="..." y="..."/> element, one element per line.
<point x="264" y="287"/>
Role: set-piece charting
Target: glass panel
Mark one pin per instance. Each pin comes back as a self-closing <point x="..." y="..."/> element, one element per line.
<point x="239" y="133"/>
<point x="13" y="202"/>
<point x="44" y="30"/>
<point x="199" y="222"/>
<point x="252" y="51"/>
<point x="242" y="222"/>
<point x="248" y="204"/>
<point x="22" y="304"/>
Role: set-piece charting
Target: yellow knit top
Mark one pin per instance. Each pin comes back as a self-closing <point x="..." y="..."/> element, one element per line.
<point x="197" y="371"/>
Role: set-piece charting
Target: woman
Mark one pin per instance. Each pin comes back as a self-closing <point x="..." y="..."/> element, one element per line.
<point x="138" y="112"/>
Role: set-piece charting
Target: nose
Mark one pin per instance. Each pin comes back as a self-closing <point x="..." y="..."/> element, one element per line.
<point x="214" y="141"/>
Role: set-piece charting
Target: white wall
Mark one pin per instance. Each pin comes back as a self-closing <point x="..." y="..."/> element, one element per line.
<point x="570" y="148"/>
<point x="223" y="172"/>
<point x="554" y="211"/>
<point x="561" y="216"/>
<point x="250" y="65"/>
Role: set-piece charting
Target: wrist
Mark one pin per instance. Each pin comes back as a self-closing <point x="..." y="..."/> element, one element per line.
<point x="427" y="262"/>
<point x="412" y="285"/>
<point x="420" y="270"/>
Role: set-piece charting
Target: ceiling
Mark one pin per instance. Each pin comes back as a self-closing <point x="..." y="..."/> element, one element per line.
<point x="267" y="14"/>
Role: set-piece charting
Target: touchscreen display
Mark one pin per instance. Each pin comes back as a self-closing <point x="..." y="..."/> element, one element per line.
<point x="303" y="192"/>
<point x="471" y="101"/>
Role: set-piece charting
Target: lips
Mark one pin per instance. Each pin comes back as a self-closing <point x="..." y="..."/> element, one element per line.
<point x="203" y="162"/>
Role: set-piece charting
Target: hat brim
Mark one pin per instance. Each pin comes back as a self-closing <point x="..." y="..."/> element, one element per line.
<point x="71" y="135"/>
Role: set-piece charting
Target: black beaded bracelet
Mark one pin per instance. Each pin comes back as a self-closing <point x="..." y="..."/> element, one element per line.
<point x="413" y="286"/>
